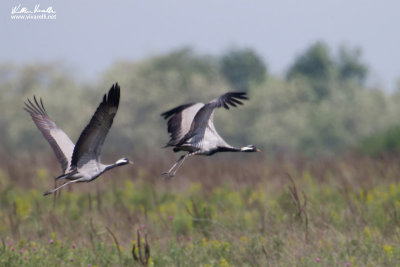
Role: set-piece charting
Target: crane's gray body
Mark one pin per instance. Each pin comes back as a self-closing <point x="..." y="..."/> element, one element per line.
<point x="204" y="138"/>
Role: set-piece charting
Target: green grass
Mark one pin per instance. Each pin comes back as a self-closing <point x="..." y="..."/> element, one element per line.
<point x="339" y="212"/>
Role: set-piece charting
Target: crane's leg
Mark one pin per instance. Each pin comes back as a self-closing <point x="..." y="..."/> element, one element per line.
<point x="180" y="164"/>
<point x="171" y="173"/>
<point x="55" y="195"/>
<point x="168" y="173"/>
<point x="66" y="175"/>
<point x="61" y="186"/>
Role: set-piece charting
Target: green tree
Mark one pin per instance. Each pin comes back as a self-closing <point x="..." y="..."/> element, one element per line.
<point x="187" y="63"/>
<point x="315" y="63"/>
<point x="317" y="66"/>
<point x="349" y="65"/>
<point x="242" y="67"/>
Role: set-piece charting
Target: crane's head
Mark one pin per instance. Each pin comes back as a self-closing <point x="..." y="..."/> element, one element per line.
<point x="250" y="148"/>
<point x="123" y="161"/>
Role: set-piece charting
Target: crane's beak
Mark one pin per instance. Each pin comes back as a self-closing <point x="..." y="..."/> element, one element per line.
<point x="258" y="150"/>
<point x="130" y="162"/>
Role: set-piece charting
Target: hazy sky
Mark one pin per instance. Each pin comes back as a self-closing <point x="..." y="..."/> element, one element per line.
<point x="90" y="35"/>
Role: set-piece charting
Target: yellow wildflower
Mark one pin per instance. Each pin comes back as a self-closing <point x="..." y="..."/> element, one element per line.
<point x="388" y="249"/>
<point x="224" y="263"/>
<point x="367" y="231"/>
<point x="204" y="242"/>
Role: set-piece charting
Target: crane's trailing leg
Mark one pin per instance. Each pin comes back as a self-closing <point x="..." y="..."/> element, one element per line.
<point x="171" y="173"/>
<point x="179" y="161"/>
<point x="61" y="186"/>
<point x="63" y="176"/>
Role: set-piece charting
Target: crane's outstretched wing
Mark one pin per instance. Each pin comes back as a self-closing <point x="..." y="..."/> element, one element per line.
<point x="203" y="120"/>
<point x="92" y="138"/>
<point x="180" y="120"/>
<point x="58" y="140"/>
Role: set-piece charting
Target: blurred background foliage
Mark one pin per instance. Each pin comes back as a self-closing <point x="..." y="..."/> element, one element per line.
<point x="321" y="106"/>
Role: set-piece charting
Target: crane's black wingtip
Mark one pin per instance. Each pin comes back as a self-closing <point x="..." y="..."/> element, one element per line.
<point x="240" y="95"/>
<point x="113" y="95"/>
<point x="33" y="107"/>
<point x="231" y="99"/>
<point x="115" y="90"/>
<point x="115" y="86"/>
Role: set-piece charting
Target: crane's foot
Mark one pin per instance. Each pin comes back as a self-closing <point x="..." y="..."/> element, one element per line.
<point x="47" y="193"/>
<point x="168" y="175"/>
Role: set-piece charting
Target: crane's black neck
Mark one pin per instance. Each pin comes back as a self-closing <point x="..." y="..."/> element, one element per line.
<point x="249" y="148"/>
<point x="120" y="162"/>
<point x="228" y="149"/>
<point x="224" y="149"/>
<point x="111" y="166"/>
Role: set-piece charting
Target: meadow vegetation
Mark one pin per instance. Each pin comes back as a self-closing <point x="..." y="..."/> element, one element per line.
<point x="223" y="212"/>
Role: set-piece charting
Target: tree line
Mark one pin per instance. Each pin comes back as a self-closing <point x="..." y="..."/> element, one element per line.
<point x="321" y="106"/>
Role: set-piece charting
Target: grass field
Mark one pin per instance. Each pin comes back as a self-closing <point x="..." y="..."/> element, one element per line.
<point x="240" y="212"/>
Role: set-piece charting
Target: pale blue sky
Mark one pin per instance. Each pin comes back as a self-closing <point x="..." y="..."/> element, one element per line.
<point x="90" y="35"/>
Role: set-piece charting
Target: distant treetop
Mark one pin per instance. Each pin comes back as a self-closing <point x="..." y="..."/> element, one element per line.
<point x="242" y="67"/>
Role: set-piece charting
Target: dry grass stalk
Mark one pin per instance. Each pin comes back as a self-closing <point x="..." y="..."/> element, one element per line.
<point x="139" y="258"/>
<point x="116" y="244"/>
<point x="301" y="206"/>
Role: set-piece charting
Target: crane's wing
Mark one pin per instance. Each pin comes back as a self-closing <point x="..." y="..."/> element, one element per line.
<point x="58" y="140"/>
<point x="203" y="120"/>
<point x="92" y="137"/>
<point x="180" y="119"/>
<point x="212" y="135"/>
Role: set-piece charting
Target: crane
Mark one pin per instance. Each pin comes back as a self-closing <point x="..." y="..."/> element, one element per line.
<point x="80" y="162"/>
<point x="191" y="129"/>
